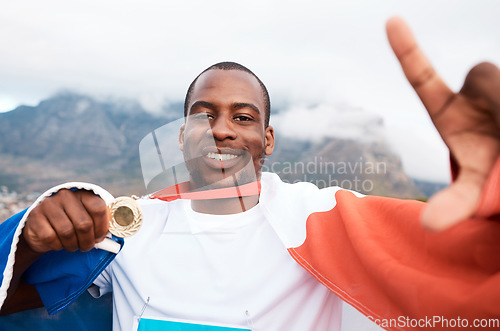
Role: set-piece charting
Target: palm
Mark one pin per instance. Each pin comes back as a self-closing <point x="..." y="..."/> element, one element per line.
<point x="468" y="122"/>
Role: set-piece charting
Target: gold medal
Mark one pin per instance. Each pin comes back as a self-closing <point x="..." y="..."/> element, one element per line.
<point x="126" y="217"/>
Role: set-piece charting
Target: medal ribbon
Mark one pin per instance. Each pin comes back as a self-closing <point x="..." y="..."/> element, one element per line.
<point x="182" y="191"/>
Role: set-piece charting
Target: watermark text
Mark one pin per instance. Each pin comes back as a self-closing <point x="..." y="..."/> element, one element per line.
<point x="436" y="322"/>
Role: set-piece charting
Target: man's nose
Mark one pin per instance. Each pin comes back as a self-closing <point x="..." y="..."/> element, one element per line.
<point x="223" y="128"/>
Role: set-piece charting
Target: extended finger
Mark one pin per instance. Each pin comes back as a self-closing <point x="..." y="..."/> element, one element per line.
<point x="457" y="202"/>
<point x="431" y="89"/>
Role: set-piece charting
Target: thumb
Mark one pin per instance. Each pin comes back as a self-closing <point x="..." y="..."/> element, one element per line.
<point x="455" y="203"/>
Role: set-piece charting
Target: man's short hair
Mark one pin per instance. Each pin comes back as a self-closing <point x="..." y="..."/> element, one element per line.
<point x="231" y="66"/>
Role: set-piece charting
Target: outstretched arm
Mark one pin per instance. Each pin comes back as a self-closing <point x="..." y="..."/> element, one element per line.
<point x="468" y="122"/>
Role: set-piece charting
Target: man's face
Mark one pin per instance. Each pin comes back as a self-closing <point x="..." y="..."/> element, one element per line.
<point x="224" y="140"/>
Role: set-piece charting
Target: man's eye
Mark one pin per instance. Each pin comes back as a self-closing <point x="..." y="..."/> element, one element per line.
<point x="243" y="118"/>
<point x="203" y="116"/>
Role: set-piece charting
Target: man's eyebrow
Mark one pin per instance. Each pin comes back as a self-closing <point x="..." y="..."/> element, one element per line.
<point x="236" y="105"/>
<point x="239" y="105"/>
<point x="204" y="104"/>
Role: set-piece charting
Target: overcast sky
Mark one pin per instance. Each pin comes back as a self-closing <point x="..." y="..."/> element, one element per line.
<point x="307" y="52"/>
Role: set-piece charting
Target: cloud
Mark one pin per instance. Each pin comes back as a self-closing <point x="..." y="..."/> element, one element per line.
<point x="157" y="47"/>
<point x="422" y="151"/>
<point x="326" y="120"/>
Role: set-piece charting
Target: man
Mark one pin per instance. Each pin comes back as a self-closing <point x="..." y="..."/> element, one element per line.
<point x="367" y="251"/>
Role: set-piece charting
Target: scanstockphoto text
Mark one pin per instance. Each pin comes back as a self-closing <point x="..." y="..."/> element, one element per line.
<point x="352" y="175"/>
<point x="437" y="321"/>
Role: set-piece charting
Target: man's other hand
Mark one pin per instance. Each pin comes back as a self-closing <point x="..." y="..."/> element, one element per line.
<point x="468" y="122"/>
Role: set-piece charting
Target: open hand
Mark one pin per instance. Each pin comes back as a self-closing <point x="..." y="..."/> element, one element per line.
<point x="468" y="122"/>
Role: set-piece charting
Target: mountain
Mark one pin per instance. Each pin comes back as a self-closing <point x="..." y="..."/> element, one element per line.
<point x="72" y="137"/>
<point x="366" y="167"/>
<point x="337" y="144"/>
<point x="75" y="137"/>
<point x="428" y="188"/>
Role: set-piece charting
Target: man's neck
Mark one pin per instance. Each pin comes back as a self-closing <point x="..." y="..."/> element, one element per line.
<point x="225" y="206"/>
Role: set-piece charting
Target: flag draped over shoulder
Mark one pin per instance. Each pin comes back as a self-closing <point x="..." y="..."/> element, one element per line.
<point x="389" y="268"/>
<point x="374" y="254"/>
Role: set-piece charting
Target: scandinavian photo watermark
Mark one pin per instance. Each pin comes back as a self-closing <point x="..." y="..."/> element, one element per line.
<point x="352" y="175"/>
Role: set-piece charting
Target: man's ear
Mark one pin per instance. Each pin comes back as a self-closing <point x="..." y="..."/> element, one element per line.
<point x="181" y="137"/>
<point x="269" y="140"/>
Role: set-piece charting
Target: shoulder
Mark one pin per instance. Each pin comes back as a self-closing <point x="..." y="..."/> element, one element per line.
<point x="287" y="206"/>
<point x="301" y="193"/>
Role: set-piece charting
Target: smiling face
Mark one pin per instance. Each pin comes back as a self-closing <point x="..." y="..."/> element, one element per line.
<point x="224" y="139"/>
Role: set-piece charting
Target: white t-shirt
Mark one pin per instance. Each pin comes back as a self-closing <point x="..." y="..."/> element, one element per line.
<point x="227" y="270"/>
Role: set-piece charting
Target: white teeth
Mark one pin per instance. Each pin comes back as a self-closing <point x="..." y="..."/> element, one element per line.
<point x="221" y="157"/>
